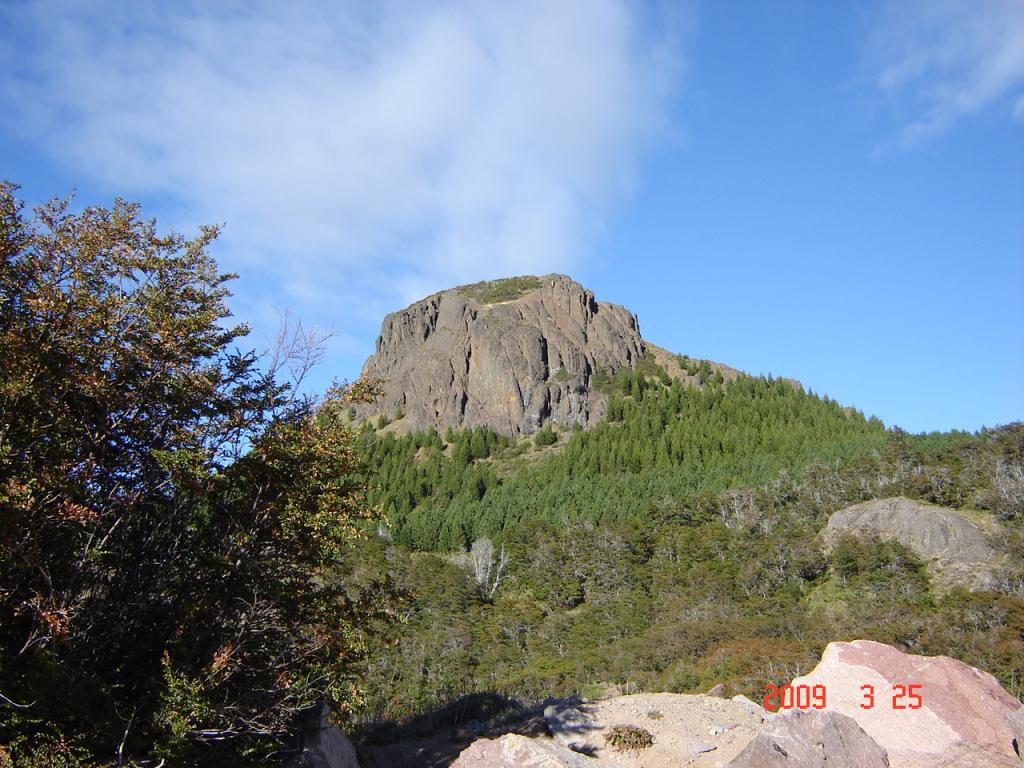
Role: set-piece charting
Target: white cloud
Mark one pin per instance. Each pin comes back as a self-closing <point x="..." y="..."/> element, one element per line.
<point x="419" y="143"/>
<point x="942" y="60"/>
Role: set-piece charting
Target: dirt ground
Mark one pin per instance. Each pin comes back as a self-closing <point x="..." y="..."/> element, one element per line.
<point x="682" y="726"/>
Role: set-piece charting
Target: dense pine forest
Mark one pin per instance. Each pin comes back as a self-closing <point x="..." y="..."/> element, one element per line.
<point x="194" y="555"/>
<point x="662" y="442"/>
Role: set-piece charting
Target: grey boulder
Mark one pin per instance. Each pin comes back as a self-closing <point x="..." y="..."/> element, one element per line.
<point x="515" y="751"/>
<point x="812" y="740"/>
<point x="958" y="550"/>
<point x="569" y="726"/>
<point x="323" y="744"/>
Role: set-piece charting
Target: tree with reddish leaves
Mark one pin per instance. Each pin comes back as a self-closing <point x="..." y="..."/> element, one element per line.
<point x="174" y="520"/>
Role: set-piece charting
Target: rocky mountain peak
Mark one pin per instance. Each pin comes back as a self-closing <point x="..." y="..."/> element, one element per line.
<point x="510" y="354"/>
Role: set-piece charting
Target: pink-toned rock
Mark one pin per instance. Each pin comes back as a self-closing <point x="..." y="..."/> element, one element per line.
<point x="515" y="751"/>
<point x="961" y="710"/>
<point x="962" y="756"/>
<point x="812" y="740"/>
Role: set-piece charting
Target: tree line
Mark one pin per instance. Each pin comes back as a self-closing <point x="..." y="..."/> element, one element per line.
<point x="662" y="441"/>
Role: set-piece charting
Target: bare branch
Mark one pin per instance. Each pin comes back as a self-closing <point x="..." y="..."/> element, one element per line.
<point x="487" y="574"/>
<point x="296" y="350"/>
<point x="15" y="704"/>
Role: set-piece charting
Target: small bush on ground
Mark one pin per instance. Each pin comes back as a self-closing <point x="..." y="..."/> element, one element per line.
<point x="629" y="738"/>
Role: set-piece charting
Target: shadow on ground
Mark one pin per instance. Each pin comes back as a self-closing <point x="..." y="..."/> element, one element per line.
<point x="435" y="739"/>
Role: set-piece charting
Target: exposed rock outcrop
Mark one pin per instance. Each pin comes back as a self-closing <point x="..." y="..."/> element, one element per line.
<point x="1015" y="721"/>
<point x="323" y="744"/>
<point x="962" y="711"/>
<point x="569" y="726"/>
<point x="510" y="355"/>
<point x="812" y="740"/>
<point x="962" y="756"/>
<point x="694" y="730"/>
<point x="515" y="751"/>
<point x="957" y="549"/>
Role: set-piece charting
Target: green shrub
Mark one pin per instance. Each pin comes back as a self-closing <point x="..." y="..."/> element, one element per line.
<point x="546" y="436"/>
<point x="495" y="291"/>
<point x="629" y="738"/>
<point x="594" y="691"/>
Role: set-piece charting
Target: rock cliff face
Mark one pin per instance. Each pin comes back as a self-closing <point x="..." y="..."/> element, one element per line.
<point x="510" y="354"/>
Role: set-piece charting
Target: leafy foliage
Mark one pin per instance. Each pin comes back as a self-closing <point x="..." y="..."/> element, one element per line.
<point x="174" y="522"/>
<point x="545" y="436"/>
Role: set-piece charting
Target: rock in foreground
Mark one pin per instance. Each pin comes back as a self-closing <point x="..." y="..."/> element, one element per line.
<point x="323" y="744"/>
<point x="696" y="731"/>
<point x="961" y="709"/>
<point x="515" y="751"/>
<point x="812" y="740"/>
<point x="569" y="726"/>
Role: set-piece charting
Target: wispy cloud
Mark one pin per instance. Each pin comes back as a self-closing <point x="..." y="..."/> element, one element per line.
<point x="942" y="60"/>
<point x="411" y="143"/>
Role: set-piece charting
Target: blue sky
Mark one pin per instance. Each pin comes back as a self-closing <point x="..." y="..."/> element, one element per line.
<point x="829" y="191"/>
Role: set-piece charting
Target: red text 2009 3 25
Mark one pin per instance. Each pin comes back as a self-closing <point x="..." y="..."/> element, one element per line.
<point x="816" y="697"/>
